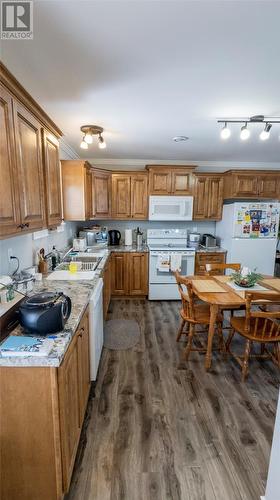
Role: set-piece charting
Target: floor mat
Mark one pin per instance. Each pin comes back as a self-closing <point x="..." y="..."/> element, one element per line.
<point x="121" y="334"/>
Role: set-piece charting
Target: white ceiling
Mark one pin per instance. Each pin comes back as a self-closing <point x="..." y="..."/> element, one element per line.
<point x="149" y="70"/>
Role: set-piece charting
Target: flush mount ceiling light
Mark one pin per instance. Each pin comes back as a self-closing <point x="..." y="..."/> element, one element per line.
<point x="89" y="131"/>
<point x="180" y="138"/>
<point x="245" y="132"/>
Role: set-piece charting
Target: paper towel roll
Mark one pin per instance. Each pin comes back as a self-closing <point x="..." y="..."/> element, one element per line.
<point x="128" y="237"/>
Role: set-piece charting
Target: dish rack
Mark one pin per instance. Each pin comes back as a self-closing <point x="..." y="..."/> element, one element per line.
<point x="85" y="266"/>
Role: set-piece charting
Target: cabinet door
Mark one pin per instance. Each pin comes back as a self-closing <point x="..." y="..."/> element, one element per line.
<point x="215" y="198"/>
<point x="106" y="288"/>
<point x="29" y="168"/>
<point x="139" y="196"/>
<point x="9" y="201"/>
<point x="119" y="267"/>
<point x="269" y="186"/>
<point x="201" y="198"/>
<point x="181" y="183"/>
<point x="138" y="273"/>
<point x="245" y="185"/>
<point x="201" y="259"/>
<point x="160" y="181"/>
<point x="102" y="194"/>
<point x="52" y="177"/>
<point x="89" y="207"/>
<point x="83" y="365"/>
<point x="68" y="388"/>
<point x="121" y="196"/>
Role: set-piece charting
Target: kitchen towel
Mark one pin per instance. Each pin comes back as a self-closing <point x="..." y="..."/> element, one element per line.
<point x="175" y="262"/>
<point x="163" y="263"/>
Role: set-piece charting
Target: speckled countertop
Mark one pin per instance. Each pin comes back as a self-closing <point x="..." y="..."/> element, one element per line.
<point x="124" y="248"/>
<point x="212" y="250"/>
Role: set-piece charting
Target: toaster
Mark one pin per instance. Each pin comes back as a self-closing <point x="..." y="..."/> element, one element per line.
<point x="208" y="241"/>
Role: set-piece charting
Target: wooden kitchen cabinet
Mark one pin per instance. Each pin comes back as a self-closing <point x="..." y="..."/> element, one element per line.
<point x="9" y="207"/>
<point x="129" y="273"/>
<point x="41" y="413"/>
<point x="138" y="273"/>
<point x="170" y="180"/>
<point x="203" y="258"/>
<point x="208" y="197"/>
<point x="52" y="179"/>
<point x="30" y="185"/>
<point x="129" y="196"/>
<point x="106" y="287"/>
<point x="77" y="190"/>
<point x="102" y="190"/>
<point x="255" y="184"/>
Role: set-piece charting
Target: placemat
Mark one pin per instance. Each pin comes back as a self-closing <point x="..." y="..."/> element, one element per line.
<point x="208" y="286"/>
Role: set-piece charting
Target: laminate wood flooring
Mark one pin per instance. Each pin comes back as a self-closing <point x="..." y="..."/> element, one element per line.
<point x="161" y="429"/>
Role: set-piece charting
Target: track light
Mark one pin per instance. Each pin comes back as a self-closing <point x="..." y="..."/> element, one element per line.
<point x="225" y="132"/>
<point x="84" y="144"/>
<point x="89" y="131"/>
<point x="245" y="133"/>
<point x="264" y="135"/>
<point x="101" y="142"/>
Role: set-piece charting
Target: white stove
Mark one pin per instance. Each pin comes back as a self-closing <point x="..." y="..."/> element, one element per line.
<point x="168" y="248"/>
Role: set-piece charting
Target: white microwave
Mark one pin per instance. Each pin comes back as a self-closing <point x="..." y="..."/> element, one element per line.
<point x="170" y="208"/>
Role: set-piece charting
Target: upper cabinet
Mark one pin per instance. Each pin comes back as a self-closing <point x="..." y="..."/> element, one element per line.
<point x="52" y="178"/>
<point x="208" y="197"/>
<point x="170" y="180"/>
<point x="29" y="168"/>
<point x="102" y="193"/>
<point x="86" y="191"/>
<point x="252" y="184"/>
<point x="130" y="196"/>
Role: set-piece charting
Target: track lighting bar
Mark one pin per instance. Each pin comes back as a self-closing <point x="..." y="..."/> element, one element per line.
<point x="245" y="131"/>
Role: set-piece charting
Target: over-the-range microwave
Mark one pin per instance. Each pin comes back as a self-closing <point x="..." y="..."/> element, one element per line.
<point x="170" y="208"/>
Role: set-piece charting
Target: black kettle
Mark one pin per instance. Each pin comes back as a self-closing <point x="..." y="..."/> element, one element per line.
<point x="114" y="237"/>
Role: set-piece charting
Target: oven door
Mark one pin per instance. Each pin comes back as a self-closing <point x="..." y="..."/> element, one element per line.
<point x="156" y="276"/>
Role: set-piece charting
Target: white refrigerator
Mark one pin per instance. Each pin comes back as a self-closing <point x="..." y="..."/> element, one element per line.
<point x="249" y="232"/>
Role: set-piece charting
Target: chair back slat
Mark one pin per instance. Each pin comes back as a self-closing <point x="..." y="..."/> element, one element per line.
<point x="187" y="295"/>
<point x="211" y="267"/>
<point x="262" y="324"/>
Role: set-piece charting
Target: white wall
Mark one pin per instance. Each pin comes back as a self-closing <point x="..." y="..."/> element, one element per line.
<point x="273" y="480"/>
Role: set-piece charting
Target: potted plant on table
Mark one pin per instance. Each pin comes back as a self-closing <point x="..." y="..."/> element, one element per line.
<point x="246" y="278"/>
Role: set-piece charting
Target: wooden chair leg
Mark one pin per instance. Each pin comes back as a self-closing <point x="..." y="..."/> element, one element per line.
<point x="229" y="339"/>
<point x="262" y="348"/>
<point x="221" y="337"/>
<point x="180" y="331"/>
<point x="277" y="353"/>
<point x="189" y="344"/>
<point x="245" y="361"/>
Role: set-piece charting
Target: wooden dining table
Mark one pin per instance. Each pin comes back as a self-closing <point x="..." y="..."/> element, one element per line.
<point x="226" y="298"/>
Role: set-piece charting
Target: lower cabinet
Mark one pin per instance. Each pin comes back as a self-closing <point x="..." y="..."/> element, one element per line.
<point x="41" y="413"/>
<point x="129" y="273"/>
<point x="208" y="258"/>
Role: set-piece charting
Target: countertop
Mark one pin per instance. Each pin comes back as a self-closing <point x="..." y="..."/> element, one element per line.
<point x="211" y="250"/>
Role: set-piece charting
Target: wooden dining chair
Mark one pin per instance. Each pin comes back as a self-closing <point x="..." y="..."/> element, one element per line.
<point x="257" y="326"/>
<point x="194" y="313"/>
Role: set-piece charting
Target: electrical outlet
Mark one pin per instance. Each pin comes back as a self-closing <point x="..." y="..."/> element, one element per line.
<point x="10" y="253"/>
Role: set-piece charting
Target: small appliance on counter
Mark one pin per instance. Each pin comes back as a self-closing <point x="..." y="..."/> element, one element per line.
<point x="114" y="237"/>
<point x="94" y="235"/>
<point x="45" y="313"/>
<point x="79" y="244"/>
<point x="193" y="240"/>
<point x="208" y="241"/>
<point x="128" y="237"/>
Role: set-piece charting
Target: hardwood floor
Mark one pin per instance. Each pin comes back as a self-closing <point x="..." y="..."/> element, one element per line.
<point x="159" y="429"/>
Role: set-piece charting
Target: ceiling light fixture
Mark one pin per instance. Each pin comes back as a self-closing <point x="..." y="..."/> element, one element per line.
<point x="252" y="120"/>
<point x="84" y="144"/>
<point x="244" y="133"/>
<point x="225" y="132"/>
<point x="264" y="135"/>
<point x="180" y="138"/>
<point x="101" y="142"/>
<point x="89" y="131"/>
